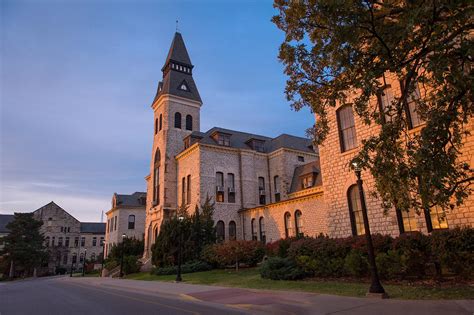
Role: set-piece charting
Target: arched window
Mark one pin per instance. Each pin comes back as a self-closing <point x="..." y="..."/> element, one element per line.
<point x="93" y="257"/>
<point x="220" y="229"/>
<point x="346" y="125"/>
<point x="155" y="233"/>
<point x="232" y="231"/>
<point x="160" y="122"/>
<point x="177" y="120"/>
<point x="254" y="230"/>
<point x="156" y="178"/>
<point x="156" y="126"/>
<point x="355" y="210"/>
<point x="189" y="122"/>
<point x="261" y="225"/>
<point x="74" y="258"/>
<point x="131" y="222"/>
<point x="287" y="219"/>
<point x="298" y="223"/>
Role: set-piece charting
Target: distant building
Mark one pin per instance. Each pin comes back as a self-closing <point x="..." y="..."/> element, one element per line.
<point x="69" y="241"/>
<point x="4" y="220"/>
<point x="127" y="217"/>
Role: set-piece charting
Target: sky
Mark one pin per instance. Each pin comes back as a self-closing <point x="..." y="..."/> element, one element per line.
<point x="78" y="78"/>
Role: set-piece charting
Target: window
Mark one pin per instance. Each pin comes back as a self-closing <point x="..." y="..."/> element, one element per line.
<point x="222" y="139"/>
<point x="261" y="225"/>
<point x="231" y="188"/>
<point x="115" y="224"/>
<point x="261" y="190"/>
<point x="156" y="126"/>
<point x="188" y="190"/>
<point x="220" y="229"/>
<point x="65" y="259"/>
<point x="276" y="183"/>
<point x="257" y="145"/>
<point x="131" y="222"/>
<point x="408" y="220"/>
<point x="83" y="241"/>
<point x="189" y="122"/>
<point x="183" y="190"/>
<point x="76" y="241"/>
<point x="298" y="223"/>
<point x="220" y="187"/>
<point x="46" y="241"/>
<point x="53" y="241"/>
<point x="438" y="218"/>
<point x="93" y="257"/>
<point x="355" y="211"/>
<point x="156" y="178"/>
<point x="69" y="229"/>
<point x="94" y="241"/>
<point x="107" y="227"/>
<point x="232" y="231"/>
<point x="74" y="258"/>
<point x="300" y="158"/>
<point x="187" y="142"/>
<point x="50" y="221"/>
<point x="287" y="219"/>
<point x="413" y="98"/>
<point x="307" y="181"/>
<point x="101" y="241"/>
<point x="253" y="230"/>
<point x="160" y="123"/>
<point x="177" y="120"/>
<point x="81" y="258"/>
<point x="66" y="242"/>
<point x="60" y="241"/>
<point x="385" y="98"/>
<point x="62" y="229"/>
<point x="347" y="132"/>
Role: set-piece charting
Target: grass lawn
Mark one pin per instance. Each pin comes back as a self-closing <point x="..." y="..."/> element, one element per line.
<point x="250" y="278"/>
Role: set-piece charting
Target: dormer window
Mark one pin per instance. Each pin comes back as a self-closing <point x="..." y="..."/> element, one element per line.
<point x="257" y="145"/>
<point x="307" y="181"/>
<point x="184" y="86"/>
<point x="221" y="138"/>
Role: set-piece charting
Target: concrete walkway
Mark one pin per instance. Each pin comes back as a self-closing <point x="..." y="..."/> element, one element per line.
<point x="281" y="302"/>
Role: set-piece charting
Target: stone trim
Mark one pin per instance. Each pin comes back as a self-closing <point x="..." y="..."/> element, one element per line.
<point x="170" y="98"/>
<point x="316" y="194"/>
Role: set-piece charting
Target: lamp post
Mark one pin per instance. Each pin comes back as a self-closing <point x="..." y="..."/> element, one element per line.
<point x="178" y="274"/>
<point x="375" y="286"/>
<point x="84" y="262"/>
<point x="121" y="255"/>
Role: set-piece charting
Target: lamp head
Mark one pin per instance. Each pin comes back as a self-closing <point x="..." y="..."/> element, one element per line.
<point x="180" y="218"/>
<point x="124" y="235"/>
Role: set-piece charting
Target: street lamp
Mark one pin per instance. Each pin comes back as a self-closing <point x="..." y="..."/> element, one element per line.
<point x="178" y="275"/>
<point x="84" y="262"/>
<point x="121" y="255"/>
<point x="375" y="286"/>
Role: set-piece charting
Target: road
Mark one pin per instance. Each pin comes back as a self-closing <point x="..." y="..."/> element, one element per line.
<point x="54" y="296"/>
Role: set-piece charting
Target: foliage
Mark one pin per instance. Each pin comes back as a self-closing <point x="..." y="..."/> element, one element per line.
<point x="355" y="264"/>
<point x="190" y="267"/>
<point x="131" y="264"/>
<point x="454" y="249"/>
<point x="279" y="247"/>
<point x="389" y="265"/>
<point x="234" y="253"/>
<point x="415" y="251"/>
<point x="277" y="268"/>
<point x="193" y="233"/>
<point x="339" y="53"/>
<point x="24" y="245"/>
<point x="130" y="246"/>
<point x="111" y="264"/>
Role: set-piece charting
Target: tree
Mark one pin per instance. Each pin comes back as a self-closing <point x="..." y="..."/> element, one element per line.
<point x="24" y="245"/>
<point x="338" y="52"/>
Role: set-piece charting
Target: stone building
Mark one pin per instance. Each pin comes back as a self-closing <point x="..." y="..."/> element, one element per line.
<point x="126" y="217"/>
<point x="264" y="188"/>
<point x="69" y="241"/>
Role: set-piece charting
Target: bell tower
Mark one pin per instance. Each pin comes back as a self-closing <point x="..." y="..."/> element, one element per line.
<point x="176" y="110"/>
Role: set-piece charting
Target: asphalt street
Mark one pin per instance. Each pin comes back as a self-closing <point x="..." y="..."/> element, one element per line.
<point x="51" y="296"/>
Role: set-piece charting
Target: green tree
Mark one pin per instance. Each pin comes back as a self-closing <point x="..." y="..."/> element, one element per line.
<point x="24" y="245"/>
<point x="334" y="48"/>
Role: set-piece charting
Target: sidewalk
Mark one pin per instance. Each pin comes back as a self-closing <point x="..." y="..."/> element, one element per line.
<point x="282" y="302"/>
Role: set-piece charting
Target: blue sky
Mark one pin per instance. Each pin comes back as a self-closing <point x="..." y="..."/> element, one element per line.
<point x="78" y="78"/>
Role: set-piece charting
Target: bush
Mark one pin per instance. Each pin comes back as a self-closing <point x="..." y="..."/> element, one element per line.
<point x="234" y="253"/>
<point x="389" y="265"/>
<point x="277" y="268"/>
<point x="415" y="251"/>
<point x="110" y="264"/>
<point x="190" y="267"/>
<point x="454" y="249"/>
<point x="355" y="264"/>
<point x="131" y="264"/>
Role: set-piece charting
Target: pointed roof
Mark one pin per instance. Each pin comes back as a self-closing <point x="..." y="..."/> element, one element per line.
<point x="178" y="51"/>
<point x="178" y="71"/>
